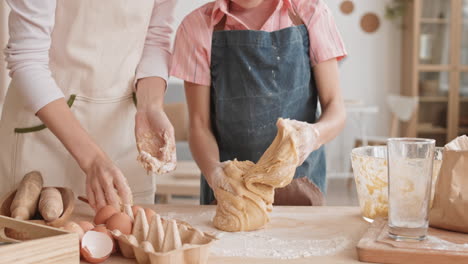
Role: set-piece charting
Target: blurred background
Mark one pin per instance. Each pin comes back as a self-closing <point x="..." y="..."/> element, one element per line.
<point x="406" y="75"/>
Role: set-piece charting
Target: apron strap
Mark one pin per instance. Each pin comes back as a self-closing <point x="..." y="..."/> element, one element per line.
<point x="221" y="24"/>
<point x="295" y="19"/>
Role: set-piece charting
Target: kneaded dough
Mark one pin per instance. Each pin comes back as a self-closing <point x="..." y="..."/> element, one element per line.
<point x="247" y="208"/>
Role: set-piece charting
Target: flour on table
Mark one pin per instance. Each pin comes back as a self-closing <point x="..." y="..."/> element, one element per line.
<point x="268" y="242"/>
<point x="257" y="245"/>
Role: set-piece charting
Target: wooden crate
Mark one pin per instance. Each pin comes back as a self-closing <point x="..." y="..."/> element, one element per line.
<point x="48" y="244"/>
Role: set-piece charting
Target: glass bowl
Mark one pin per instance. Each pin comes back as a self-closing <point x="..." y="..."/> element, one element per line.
<point x="371" y="175"/>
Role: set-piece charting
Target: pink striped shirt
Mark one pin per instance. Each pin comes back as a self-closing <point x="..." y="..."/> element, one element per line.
<point x="192" y="51"/>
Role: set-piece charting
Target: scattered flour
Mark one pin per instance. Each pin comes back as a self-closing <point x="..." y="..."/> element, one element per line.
<point x="268" y="242"/>
<point x="266" y="246"/>
<point x="440" y="244"/>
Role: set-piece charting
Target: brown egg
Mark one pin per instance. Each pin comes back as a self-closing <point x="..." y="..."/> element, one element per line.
<point x="135" y="210"/>
<point x="121" y="222"/>
<point x="149" y="214"/>
<point x="103" y="214"/>
<point x="104" y="230"/>
<point x="74" y="228"/>
<point x="85" y="225"/>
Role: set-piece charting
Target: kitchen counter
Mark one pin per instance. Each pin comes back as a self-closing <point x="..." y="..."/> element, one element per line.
<point x="322" y="234"/>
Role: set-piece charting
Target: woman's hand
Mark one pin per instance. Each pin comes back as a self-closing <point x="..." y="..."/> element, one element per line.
<point x="153" y="131"/>
<point x="155" y="140"/>
<point x="105" y="184"/>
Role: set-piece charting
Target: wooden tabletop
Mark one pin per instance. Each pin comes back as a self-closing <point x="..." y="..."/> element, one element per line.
<point x="308" y="224"/>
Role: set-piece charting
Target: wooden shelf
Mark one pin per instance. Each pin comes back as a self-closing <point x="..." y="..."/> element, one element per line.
<point x="441" y="109"/>
<point x="432" y="130"/>
<point x="433" y="99"/>
<point x="434" y="67"/>
<point x="434" y="21"/>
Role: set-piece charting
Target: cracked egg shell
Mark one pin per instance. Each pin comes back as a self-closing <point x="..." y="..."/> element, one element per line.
<point x="104" y="230"/>
<point x="96" y="247"/>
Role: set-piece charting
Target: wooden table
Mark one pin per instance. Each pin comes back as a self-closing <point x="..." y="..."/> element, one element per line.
<point x="323" y="223"/>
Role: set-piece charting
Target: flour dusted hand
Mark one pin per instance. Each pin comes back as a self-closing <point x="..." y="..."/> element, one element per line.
<point x="217" y="178"/>
<point x="308" y="136"/>
<point x="155" y="141"/>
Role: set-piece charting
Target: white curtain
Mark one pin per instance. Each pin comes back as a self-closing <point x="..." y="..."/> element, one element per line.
<point x="4" y="79"/>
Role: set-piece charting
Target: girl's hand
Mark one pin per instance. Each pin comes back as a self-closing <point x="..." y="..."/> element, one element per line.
<point x="309" y="137"/>
<point x="105" y="184"/>
<point x="155" y="140"/>
<point x="217" y="178"/>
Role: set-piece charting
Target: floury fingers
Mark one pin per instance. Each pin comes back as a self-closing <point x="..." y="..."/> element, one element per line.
<point x="168" y="153"/>
<point x="155" y="165"/>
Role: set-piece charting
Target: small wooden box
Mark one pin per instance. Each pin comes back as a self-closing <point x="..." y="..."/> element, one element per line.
<point x="48" y="244"/>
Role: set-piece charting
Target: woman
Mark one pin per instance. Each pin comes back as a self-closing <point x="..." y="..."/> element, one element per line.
<point x="73" y="66"/>
<point x="245" y="64"/>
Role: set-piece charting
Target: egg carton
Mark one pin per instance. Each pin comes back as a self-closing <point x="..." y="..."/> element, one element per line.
<point x="164" y="241"/>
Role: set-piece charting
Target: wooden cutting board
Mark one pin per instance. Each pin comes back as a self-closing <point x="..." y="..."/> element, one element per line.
<point x="439" y="247"/>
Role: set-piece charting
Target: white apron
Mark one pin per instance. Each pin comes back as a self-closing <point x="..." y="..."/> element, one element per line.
<point x="96" y="47"/>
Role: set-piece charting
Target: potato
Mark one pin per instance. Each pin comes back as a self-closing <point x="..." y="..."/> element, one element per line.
<point x="50" y="204"/>
<point x="24" y="204"/>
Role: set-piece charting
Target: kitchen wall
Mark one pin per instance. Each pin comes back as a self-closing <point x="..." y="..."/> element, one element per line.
<point x="370" y="72"/>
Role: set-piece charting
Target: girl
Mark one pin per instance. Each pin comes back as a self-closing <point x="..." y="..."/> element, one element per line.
<point x="74" y="65"/>
<point x="245" y="64"/>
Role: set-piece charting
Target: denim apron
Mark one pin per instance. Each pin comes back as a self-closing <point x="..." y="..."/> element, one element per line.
<point x="258" y="77"/>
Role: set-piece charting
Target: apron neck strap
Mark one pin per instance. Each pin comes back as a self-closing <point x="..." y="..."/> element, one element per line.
<point x="295" y="19"/>
<point x="221" y="24"/>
